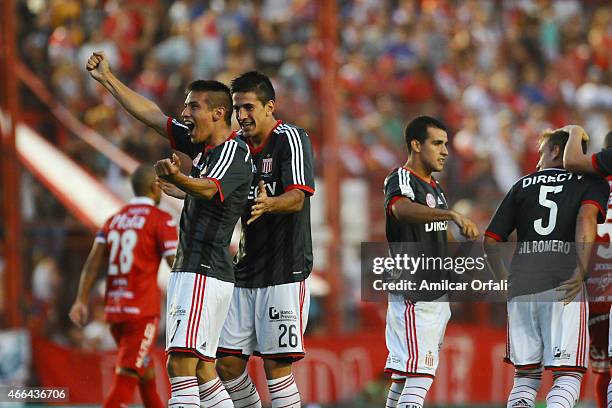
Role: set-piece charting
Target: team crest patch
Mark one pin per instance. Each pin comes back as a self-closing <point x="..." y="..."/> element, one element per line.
<point x="430" y="200"/>
<point x="429" y="359"/>
<point x="266" y="165"/>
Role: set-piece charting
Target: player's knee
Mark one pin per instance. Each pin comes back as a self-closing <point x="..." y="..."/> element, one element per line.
<point x="276" y="368"/>
<point x="230" y="367"/>
<point x="180" y="365"/>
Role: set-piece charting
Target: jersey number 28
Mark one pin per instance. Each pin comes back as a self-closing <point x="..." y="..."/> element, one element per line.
<point x="122" y="244"/>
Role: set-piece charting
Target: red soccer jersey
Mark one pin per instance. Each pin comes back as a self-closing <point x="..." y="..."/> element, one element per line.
<point x="137" y="238"/>
<point x="599" y="285"/>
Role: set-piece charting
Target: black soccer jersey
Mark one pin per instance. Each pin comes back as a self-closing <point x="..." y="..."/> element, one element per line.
<point x="404" y="183"/>
<point x="402" y="236"/>
<point x="602" y="162"/>
<point x="543" y="207"/>
<point x="277" y="248"/>
<point x="206" y="226"/>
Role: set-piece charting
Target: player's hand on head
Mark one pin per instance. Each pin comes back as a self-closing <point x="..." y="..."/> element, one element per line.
<point x="97" y="65"/>
<point x="78" y="313"/>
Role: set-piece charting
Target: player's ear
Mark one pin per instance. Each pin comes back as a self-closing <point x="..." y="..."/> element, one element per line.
<point x="269" y="107"/>
<point x="218" y="113"/>
<point x="556" y="152"/>
<point x="415" y="145"/>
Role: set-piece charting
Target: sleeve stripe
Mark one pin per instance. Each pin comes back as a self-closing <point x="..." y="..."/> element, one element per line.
<point x="297" y="155"/>
<point x="404" y="183"/>
<point x="225" y="161"/>
<point x="596" y="204"/>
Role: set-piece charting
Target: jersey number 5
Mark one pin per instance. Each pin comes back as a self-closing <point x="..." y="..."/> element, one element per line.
<point x="122" y="243"/>
<point x="552" y="215"/>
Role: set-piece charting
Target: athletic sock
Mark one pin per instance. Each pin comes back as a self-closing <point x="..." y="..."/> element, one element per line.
<point x="565" y="390"/>
<point x="184" y="392"/>
<point x="121" y="392"/>
<point x="213" y="394"/>
<point x="243" y="392"/>
<point x="149" y="395"/>
<point x="284" y="392"/>
<point x="413" y="394"/>
<point x="397" y="385"/>
<point x="525" y="389"/>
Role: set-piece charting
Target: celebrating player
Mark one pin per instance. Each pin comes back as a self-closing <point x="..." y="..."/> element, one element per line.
<point x="415" y="201"/>
<point x="547" y="311"/>
<point x="201" y="282"/>
<point x="269" y="310"/>
<point x="136" y="239"/>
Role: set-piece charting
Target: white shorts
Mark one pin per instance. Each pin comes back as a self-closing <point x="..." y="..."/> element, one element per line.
<point x="547" y="332"/>
<point x="414" y="335"/>
<point x="197" y="306"/>
<point x="267" y="322"/>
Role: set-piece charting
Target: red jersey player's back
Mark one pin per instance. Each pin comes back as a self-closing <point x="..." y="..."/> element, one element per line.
<point x="137" y="238"/>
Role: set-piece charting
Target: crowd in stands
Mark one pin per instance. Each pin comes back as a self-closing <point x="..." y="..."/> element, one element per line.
<point x="497" y="72"/>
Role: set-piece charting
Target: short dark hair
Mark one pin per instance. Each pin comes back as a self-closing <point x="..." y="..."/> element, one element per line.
<point x="219" y="95"/>
<point x="257" y="83"/>
<point x="417" y="129"/>
<point x="608" y="140"/>
<point x="142" y="179"/>
<point x="558" y="138"/>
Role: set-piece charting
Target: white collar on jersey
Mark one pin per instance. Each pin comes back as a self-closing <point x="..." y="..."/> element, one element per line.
<point x="142" y="200"/>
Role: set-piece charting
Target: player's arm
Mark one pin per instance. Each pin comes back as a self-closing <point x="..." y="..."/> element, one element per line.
<point x="573" y="157"/>
<point x="170" y="189"/>
<point x="406" y="210"/>
<point x="586" y="230"/>
<point x="169" y="260"/>
<point x="169" y="171"/>
<point x="288" y="202"/>
<point x="78" y="311"/>
<point x="137" y="105"/>
<point x="492" y="250"/>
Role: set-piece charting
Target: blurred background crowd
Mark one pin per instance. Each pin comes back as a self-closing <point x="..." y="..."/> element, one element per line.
<point x="496" y="72"/>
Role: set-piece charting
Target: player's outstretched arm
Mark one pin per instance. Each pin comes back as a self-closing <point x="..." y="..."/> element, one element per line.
<point x="169" y="171"/>
<point x="586" y="230"/>
<point x="408" y="211"/>
<point x="78" y="312"/>
<point x="288" y="202"/>
<point x="573" y="157"/>
<point x="137" y="105"/>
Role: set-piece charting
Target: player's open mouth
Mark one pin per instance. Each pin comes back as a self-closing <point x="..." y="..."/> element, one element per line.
<point x="190" y="125"/>
<point x="246" y="126"/>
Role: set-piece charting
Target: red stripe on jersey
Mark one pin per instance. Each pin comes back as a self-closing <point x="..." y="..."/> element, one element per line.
<point x="169" y="133"/>
<point x="494" y="236"/>
<point x="596" y="166"/>
<point x="302" y="297"/>
<point x="255" y="150"/>
<point x="200" y="308"/>
<point x="393" y="200"/>
<point x="302" y="187"/>
<point x="596" y="204"/>
<point x="214" y="180"/>
<point x="414" y="335"/>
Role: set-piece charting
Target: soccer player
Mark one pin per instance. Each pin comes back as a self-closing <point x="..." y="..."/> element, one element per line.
<point x="202" y="278"/>
<point x="135" y="239"/>
<point x="599" y="319"/>
<point x="269" y="309"/>
<point x="551" y="210"/>
<point x="417" y="211"/>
